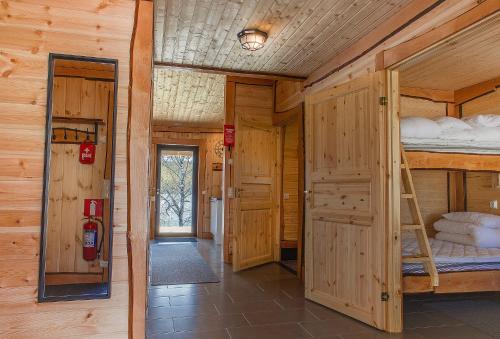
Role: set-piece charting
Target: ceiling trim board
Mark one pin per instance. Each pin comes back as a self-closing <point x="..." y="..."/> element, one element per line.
<point x="229" y="72"/>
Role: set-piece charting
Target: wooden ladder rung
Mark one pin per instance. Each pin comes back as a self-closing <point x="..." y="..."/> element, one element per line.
<point x="412" y="227"/>
<point x="407" y="196"/>
<point x="416" y="259"/>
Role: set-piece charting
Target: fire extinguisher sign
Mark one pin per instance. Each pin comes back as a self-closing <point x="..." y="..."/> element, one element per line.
<point x="92" y="207"/>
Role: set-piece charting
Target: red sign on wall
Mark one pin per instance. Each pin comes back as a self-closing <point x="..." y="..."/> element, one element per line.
<point x="228" y="135"/>
<point x="92" y="208"/>
<point x="87" y="153"/>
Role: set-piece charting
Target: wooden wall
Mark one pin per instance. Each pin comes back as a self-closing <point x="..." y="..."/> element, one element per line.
<point x="290" y="182"/>
<point x="210" y="182"/>
<point x="70" y="182"/>
<point x="29" y="31"/>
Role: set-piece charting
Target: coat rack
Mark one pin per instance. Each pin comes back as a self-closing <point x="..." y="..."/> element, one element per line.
<point x="67" y="135"/>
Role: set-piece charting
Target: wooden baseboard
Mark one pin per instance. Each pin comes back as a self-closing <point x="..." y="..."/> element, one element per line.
<point x="454" y="282"/>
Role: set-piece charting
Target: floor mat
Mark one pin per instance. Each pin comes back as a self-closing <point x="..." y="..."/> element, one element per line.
<point x="178" y="263"/>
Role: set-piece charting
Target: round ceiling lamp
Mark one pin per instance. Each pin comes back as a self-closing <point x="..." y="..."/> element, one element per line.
<point x="252" y="39"/>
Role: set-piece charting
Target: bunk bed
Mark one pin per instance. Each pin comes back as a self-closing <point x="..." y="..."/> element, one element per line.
<point x="461" y="268"/>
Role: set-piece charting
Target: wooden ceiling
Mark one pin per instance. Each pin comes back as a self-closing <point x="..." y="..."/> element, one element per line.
<point x="461" y="61"/>
<point x="303" y="35"/>
<point x="187" y="97"/>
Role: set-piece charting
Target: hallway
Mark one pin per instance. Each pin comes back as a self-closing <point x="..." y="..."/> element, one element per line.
<point x="268" y="302"/>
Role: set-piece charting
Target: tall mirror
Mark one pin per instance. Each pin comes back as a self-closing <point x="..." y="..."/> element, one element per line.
<point x="75" y="261"/>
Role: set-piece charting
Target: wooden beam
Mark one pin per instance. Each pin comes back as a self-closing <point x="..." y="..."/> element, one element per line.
<point x="436" y="95"/>
<point x="230" y="72"/>
<point x="283" y="118"/>
<point x="410" y="48"/>
<point x="185" y="128"/>
<point x="468" y="93"/>
<point x="453" y="161"/>
<point x="454" y="282"/>
<point x="141" y="55"/>
<point x="384" y="31"/>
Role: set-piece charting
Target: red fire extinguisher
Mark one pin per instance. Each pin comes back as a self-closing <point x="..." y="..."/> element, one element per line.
<point x="91" y="251"/>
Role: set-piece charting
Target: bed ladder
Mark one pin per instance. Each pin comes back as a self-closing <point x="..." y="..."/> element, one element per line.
<point x="425" y="257"/>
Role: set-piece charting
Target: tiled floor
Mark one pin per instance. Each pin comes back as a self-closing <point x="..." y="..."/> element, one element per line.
<point x="268" y="302"/>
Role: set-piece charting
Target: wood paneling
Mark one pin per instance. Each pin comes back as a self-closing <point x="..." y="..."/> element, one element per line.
<point x="346" y="237"/>
<point x="303" y="35"/>
<point x="290" y="226"/>
<point x="70" y="182"/>
<point x="211" y="182"/>
<point x="481" y="189"/>
<point x="289" y="94"/>
<point x="486" y="104"/>
<point x="421" y="108"/>
<point x="183" y="97"/>
<point x="89" y="28"/>
<point x="443" y="67"/>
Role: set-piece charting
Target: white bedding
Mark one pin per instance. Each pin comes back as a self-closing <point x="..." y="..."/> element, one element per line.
<point x="448" y="252"/>
<point x="452" y="136"/>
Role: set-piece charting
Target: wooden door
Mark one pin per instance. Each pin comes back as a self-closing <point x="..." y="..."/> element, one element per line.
<point x="345" y="245"/>
<point x="255" y="162"/>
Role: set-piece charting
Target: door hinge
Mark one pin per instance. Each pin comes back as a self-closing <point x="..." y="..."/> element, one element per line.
<point x="382" y="101"/>
<point x="384" y="296"/>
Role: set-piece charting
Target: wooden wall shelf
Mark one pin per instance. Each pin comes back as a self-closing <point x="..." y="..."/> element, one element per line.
<point x="71" y="120"/>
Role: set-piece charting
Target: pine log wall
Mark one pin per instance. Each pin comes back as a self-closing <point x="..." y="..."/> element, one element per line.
<point x="29" y="30"/>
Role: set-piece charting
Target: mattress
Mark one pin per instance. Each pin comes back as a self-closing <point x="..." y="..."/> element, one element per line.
<point x="452" y="257"/>
<point x="450" y="252"/>
<point x="451" y="146"/>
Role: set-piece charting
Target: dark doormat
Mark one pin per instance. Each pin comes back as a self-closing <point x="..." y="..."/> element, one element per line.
<point x="176" y="239"/>
<point x="177" y="263"/>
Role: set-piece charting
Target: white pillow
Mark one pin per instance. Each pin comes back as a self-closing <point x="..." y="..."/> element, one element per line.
<point x="418" y="127"/>
<point x="450" y="123"/>
<point x="483" y="120"/>
<point x="480" y="219"/>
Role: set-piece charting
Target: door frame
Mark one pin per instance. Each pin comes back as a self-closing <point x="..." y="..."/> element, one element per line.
<point x="195" y="182"/>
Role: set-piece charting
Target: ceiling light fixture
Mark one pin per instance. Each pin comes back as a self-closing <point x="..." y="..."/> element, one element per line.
<point x="252" y="39"/>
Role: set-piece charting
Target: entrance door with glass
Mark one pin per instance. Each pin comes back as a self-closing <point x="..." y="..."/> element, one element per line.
<point x="176" y="190"/>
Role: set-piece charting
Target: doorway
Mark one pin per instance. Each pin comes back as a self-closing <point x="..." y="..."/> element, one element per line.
<point x="176" y="191"/>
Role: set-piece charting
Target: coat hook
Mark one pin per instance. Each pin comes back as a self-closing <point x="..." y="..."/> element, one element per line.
<point x="65" y="135"/>
<point x="76" y="133"/>
<point x="53" y="134"/>
<point x="88" y="137"/>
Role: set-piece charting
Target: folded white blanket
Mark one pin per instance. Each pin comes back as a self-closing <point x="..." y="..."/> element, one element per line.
<point x="456" y="227"/>
<point x="477" y="218"/>
<point x="482" y="237"/>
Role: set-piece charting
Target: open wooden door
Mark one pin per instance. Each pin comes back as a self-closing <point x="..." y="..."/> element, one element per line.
<point x="255" y="176"/>
<point x="346" y="234"/>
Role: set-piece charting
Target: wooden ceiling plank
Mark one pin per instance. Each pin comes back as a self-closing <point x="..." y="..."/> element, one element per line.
<point x="294" y="24"/>
<point x="159" y="27"/>
<point x="198" y="24"/>
<point x="244" y="19"/>
<point x="298" y="39"/>
<point x="188" y="9"/>
<point x="208" y="33"/>
<point x="230" y="12"/>
<point x="335" y="29"/>
<point x="379" y="15"/>
<point x="172" y="15"/>
<point x="273" y="24"/>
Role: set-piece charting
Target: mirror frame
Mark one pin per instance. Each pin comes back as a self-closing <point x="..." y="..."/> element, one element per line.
<point x="46" y="176"/>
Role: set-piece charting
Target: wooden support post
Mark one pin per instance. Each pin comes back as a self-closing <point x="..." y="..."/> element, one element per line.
<point x="138" y="164"/>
